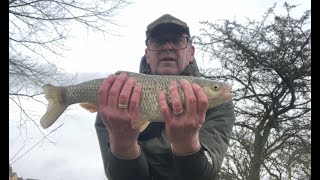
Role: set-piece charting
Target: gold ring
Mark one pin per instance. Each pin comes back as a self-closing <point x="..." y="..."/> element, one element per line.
<point x="178" y="113"/>
<point x="122" y="106"/>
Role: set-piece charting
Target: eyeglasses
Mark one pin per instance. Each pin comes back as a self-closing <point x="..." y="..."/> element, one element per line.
<point x="157" y="44"/>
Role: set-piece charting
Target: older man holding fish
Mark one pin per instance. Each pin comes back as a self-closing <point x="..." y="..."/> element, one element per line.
<point x="191" y="139"/>
<point x="162" y="123"/>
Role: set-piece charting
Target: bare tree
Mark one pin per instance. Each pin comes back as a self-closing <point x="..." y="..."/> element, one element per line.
<point x="37" y="32"/>
<point x="268" y="62"/>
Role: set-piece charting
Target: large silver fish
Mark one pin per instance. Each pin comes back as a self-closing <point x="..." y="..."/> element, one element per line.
<point x="60" y="97"/>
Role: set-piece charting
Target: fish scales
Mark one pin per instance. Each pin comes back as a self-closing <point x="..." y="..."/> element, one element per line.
<point x="83" y="92"/>
<point x="151" y="86"/>
<point x="60" y="97"/>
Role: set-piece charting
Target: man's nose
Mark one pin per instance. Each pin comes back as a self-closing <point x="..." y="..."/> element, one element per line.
<point x="167" y="45"/>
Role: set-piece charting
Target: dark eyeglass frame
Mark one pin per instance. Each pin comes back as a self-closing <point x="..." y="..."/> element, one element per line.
<point x="168" y="40"/>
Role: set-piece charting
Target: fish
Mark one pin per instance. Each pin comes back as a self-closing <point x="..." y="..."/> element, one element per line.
<point x="85" y="94"/>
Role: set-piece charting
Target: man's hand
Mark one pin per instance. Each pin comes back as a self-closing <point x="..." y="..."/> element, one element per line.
<point x="118" y="100"/>
<point x="183" y="128"/>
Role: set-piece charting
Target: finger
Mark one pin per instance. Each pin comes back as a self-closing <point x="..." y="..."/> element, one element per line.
<point x="202" y="99"/>
<point x="104" y="90"/>
<point x="116" y="89"/>
<point x="177" y="106"/>
<point x="163" y="105"/>
<point x="126" y="92"/>
<point x="190" y="98"/>
<point x="134" y="103"/>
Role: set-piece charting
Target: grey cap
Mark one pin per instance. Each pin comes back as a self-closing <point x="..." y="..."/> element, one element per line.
<point x="167" y="23"/>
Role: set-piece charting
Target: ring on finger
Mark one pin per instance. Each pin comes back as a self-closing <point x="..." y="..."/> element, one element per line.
<point x="122" y="106"/>
<point x="178" y="113"/>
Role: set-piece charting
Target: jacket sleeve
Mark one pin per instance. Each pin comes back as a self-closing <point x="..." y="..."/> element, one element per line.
<point x="117" y="168"/>
<point x="215" y="134"/>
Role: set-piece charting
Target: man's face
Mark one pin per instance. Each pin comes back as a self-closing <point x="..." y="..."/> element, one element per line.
<point x="167" y="60"/>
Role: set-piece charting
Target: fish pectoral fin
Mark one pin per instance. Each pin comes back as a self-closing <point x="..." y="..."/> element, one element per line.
<point x="141" y="123"/>
<point x="144" y="126"/>
<point x="90" y="107"/>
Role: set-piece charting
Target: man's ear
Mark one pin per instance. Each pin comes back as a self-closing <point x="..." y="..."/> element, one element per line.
<point x="192" y="50"/>
<point x="147" y="56"/>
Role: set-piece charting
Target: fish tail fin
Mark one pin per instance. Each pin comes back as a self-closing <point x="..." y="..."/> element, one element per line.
<point x="56" y="106"/>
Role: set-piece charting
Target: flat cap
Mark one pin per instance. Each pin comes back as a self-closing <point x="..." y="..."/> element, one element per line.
<point x="167" y="23"/>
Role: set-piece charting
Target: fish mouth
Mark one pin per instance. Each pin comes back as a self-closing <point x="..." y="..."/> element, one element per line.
<point x="228" y="92"/>
<point x="229" y="89"/>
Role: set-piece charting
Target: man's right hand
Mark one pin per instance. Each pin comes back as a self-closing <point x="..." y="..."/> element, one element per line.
<point x="118" y="101"/>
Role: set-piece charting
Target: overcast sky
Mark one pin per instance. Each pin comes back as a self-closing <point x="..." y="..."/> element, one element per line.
<point x="74" y="153"/>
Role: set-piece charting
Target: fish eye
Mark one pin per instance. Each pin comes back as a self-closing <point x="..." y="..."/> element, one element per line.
<point x="215" y="87"/>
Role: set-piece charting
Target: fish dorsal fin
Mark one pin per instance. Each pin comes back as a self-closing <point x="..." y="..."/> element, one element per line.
<point x="90" y="107"/>
<point x="129" y="73"/>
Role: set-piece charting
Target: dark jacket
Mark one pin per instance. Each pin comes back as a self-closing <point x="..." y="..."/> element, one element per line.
<point x="157" y="162"/>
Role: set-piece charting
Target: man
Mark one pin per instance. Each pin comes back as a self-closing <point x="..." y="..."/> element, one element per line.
<point x="190" y="144"/>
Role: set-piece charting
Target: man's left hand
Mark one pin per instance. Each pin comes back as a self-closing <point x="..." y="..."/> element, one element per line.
<point x="183" y="124"/>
